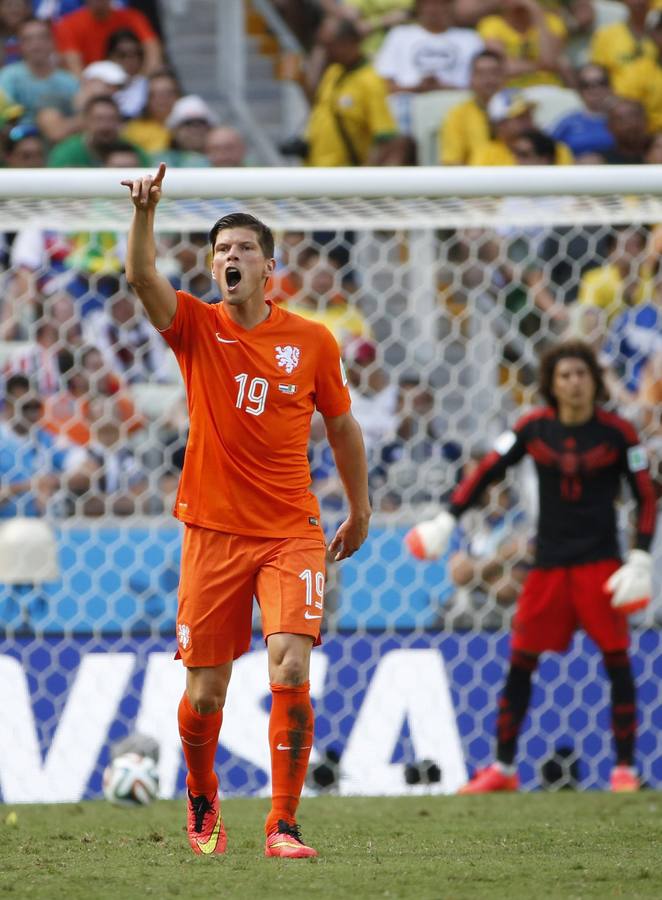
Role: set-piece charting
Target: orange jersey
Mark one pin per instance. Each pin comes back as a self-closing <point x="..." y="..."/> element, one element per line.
<point x="251" y="395"/>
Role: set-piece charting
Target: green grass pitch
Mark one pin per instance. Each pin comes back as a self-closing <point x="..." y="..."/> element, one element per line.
<point x="564" y="845"/>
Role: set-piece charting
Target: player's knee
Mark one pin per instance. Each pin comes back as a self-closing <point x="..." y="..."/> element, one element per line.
<point x="207" y="705"/>
<point x="290" y="671"/>
<point x="207" y="696"/>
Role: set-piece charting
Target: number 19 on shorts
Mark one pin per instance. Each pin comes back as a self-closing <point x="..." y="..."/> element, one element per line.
<point x="314" y="582"/>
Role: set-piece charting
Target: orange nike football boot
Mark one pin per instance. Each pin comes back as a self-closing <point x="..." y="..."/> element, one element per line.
<point x="204" y="825"/>
<point x="488" y="780"/>
<point x="624" y="780"/>
<point x="287" y="843"/>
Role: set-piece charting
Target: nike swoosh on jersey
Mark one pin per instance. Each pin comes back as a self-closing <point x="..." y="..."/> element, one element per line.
<point x="285" y="747"/>
<point x="307" y="615"/>
<point x="222" y="340"/>
<point x="209" y="845"/>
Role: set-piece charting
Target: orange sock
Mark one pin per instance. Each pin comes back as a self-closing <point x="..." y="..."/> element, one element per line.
<point x="290" y="740"/>
<point x="199" y="736"/>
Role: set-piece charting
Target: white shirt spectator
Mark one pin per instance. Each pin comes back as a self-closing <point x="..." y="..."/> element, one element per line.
<point x="39" y="364"/>
<point x="29" y="249"/>
<point x="132" y="98"/>
<point x="410" y="53"/>
<point x="377" y="416"/>
<point x="134" y="350"/>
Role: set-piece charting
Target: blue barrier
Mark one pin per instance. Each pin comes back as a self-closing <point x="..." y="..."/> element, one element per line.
<point x="114" y="580"/>
<point x="572" y="709"/>
<point x="119" y="580"/>
<point x="119" y="585"/>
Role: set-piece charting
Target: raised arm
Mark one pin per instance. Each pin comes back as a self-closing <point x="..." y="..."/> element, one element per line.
<point x="492" y="467"/>
<point x="430" y="538"/>
<point x="153" y="55"/>
<point x="346" y="442"/>
<point x="156" y="293"/>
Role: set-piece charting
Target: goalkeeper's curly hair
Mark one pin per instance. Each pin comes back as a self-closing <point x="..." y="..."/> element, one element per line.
<point x="574" y="349"/>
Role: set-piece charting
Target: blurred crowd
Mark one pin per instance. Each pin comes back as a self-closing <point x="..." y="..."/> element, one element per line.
<point x="94" y="418"/>
<point x="580" y="80"/>
<point x="88" y="83"/>
<point x="85" y="80"/>
<point x="486" y="83"/>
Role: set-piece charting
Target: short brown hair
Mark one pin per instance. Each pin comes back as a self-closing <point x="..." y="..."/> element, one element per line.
<point x="263" y="233"/>
<point x="573" y="349"/>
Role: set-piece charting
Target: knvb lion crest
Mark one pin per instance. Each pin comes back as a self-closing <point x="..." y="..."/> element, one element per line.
<point x="287" y="358"/>
<point x="183" y="635"/>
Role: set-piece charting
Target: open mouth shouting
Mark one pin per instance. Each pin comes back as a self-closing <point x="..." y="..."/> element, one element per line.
<point x="232" y="277"/>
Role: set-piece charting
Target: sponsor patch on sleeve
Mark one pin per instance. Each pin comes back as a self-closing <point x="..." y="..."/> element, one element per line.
<point x="637" y="459"/>
<point x="504" y="442"/>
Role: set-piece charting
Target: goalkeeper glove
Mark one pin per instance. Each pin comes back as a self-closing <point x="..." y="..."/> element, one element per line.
<point x="631" y="585"/>
<point x="429" y="540"/>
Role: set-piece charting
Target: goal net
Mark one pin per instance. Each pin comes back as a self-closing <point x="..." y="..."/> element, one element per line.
<point x="442" y="288"/>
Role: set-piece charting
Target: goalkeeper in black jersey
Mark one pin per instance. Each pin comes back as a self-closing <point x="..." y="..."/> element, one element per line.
<point x="581" y="453"/>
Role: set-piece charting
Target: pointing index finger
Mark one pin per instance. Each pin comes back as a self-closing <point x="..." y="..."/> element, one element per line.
<point x="158" y="178"/>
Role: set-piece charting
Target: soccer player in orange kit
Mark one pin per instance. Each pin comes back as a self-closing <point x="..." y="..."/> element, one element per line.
<point x="254" y="374"/>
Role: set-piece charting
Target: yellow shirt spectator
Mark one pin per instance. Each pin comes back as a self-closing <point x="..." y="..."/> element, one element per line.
<point x="343" y="321"/>
<point x="350" y="114"/>
<point x="464" y="130"/>
<point x="522" y="45"/>
<point x="605" y="288"/>
<point x="148" y="134"/>
<point x="641" y="80"/>
<point x="614" y="46"/>
<point x="380" y="15"/>
<point x="496" y="153"/>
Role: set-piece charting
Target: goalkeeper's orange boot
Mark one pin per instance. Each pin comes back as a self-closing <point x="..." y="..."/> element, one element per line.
<point x="489" y="780"/>
<point x="624" y="780"/>
<point x="287" y="843"/>
<point x="206" y="833"/>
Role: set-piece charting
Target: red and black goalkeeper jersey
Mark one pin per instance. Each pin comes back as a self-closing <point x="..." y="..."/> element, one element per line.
<point x="579" y="468"/>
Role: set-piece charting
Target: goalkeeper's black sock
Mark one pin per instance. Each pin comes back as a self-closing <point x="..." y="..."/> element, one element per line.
<point x="513" y="704"/>
<point x="623" y="705"/>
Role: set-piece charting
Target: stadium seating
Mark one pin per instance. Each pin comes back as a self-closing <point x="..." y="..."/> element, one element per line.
<point x="552" y="103"/>
<point x="428" y="112"/>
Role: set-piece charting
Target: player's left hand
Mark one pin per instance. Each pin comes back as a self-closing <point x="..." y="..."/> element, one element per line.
<point x="350" y="535"/>
<point x="631" y="585"/>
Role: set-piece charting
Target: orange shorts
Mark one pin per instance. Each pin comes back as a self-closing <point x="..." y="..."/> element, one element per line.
<point x="220" y="575"/>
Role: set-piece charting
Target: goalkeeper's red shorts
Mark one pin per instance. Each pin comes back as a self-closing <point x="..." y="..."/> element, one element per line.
<point x="555" y="602"/>
<point x="220" y="574"/>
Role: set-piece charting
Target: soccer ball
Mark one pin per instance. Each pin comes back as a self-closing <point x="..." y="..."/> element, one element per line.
<point x="131" y="780"/>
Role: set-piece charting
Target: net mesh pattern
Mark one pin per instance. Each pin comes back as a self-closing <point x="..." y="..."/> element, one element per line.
<point x="340" y="213"/>
<point x="441" y="308"/>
